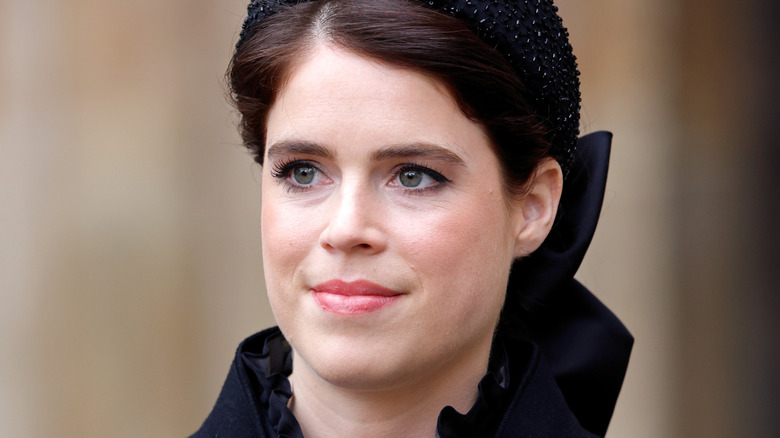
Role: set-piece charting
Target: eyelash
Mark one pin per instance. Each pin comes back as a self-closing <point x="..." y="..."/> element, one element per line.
<point x="282" y="169"/>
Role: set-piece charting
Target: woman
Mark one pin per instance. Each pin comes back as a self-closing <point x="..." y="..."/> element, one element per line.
<point x="414" y="154"/>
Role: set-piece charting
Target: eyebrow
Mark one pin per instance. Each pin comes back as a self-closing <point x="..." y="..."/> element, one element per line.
<point x="421" y="150"/>
<point x="293" y="147"/>
<point x="412" y="150"/>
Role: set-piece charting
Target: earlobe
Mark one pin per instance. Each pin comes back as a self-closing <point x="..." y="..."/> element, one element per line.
<point x="536" y="210"/>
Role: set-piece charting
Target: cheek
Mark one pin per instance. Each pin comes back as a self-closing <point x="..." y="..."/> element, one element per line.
<point x="286" y="235"/>
<point x="462" y="254"/>
<point x="470" y="233"/>
<point x="285" y="244"/>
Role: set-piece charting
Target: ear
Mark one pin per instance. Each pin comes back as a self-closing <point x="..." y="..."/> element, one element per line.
<point x="535" y="211"/>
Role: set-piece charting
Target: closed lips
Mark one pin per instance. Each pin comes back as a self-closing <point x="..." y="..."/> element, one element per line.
<point x="356" y="297"/>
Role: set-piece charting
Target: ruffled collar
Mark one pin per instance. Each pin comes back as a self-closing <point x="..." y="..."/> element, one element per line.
<point x="517" y="397"/>
<point x="492" y="399"/>
<point x="271" y="367"/>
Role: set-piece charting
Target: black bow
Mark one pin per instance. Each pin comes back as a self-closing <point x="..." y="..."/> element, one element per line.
<point x="586" y="345"/>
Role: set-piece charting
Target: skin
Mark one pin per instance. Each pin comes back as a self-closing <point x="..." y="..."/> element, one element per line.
<point x="357" y="133"/>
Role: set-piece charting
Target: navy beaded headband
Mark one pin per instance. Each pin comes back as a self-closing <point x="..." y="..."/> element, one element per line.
<point x="530" y="35"/>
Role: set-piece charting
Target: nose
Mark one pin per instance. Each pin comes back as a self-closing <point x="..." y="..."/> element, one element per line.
<point x="355" y="223"/>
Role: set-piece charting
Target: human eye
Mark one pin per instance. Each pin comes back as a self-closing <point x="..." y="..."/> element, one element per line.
<point x="417" y="178"/>
<point x="297" y="174"/>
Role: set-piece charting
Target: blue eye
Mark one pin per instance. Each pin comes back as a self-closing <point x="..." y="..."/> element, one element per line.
<point x="419" y="178"/>
<point x="304" y="175"/>
<point x="297" y="174"/>
<point x="411" y="178"/>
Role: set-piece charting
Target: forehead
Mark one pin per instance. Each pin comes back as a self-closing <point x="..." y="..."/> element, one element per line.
<point x="336" y="97"/>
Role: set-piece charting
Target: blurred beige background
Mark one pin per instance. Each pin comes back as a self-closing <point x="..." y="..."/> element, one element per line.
<point x="129" y="214"/>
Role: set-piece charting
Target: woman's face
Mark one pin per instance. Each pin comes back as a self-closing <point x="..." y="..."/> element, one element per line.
<point x="387" y="239"/>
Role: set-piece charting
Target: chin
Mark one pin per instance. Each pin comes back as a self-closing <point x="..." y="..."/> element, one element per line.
<point x="354" y="365"/>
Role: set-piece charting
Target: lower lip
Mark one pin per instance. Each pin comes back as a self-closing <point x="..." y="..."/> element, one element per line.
<point x="352" y="304"/>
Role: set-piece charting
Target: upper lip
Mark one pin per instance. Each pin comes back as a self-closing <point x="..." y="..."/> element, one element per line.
<point x="354" y="288"/>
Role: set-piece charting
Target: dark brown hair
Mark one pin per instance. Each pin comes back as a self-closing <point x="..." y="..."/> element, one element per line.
<point x="400" y="33"/>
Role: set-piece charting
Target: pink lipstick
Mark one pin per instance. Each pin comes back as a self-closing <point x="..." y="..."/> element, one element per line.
<point x="352" y="298"/>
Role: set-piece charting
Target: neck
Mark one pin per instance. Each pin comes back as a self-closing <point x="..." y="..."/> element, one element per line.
<point x="325" y="410"/>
